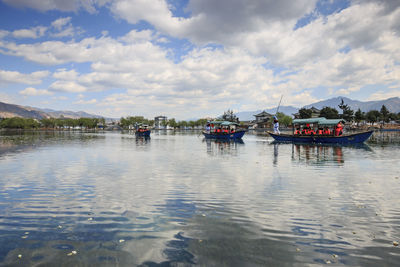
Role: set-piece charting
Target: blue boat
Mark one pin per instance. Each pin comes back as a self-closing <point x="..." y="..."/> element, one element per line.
<point x="223" y="130"/>
<point x="354" y="138"/>
<point x="142" y="130"/>
<point x="314" y="137"/>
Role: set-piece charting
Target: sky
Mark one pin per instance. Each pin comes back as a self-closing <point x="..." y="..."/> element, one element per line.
<point x="196" y="58"/>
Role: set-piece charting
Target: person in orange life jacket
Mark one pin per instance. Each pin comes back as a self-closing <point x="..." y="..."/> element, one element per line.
<point x="307" y="129"/>
<point x="218" y="130"/>
<point x="320" y="131"/>
<point x="327" y="131"/>
<point x="339" y="129"/>
<point x="297" y="132"/>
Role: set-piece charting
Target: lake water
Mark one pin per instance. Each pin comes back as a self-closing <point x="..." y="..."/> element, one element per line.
<point x="109" y="199"/>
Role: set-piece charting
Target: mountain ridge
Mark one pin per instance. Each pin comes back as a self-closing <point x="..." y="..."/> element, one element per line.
<point x="392" y="104"/>
<point x="12" y="110"/>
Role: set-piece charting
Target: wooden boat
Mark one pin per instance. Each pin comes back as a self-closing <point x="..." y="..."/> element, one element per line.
<point x="350" y="138"/>
<point x="142" y="130"/>
<point x="223" y="130"/>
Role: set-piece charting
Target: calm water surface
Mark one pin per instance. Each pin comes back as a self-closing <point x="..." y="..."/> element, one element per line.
<point x="109" y="199"/>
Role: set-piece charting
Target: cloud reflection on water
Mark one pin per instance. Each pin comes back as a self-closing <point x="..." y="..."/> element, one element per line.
<point x="177" y="200"/>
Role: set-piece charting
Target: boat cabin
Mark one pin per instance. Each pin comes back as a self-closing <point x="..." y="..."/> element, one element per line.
<point x="318" y="126"/>
<point x="221" y="127"/>
<point x="142" y="127"/>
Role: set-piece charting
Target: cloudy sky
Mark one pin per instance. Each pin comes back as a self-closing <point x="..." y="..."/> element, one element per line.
<point x="196" y="58"/>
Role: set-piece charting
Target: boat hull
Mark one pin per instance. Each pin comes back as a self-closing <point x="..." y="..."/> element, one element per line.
<point x="145" y="133"/>
<point x="355" y="138"/>
<point x="224" y="136"/>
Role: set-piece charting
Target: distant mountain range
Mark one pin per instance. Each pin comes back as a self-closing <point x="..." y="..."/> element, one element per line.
<point x="392" y="104"/>
<point x="11" y="110"/>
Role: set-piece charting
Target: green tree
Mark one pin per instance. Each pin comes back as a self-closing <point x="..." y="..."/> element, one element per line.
<point x="329" y="113"/>
<point x="359" y="116"/>
<point x="229" y="116"/>
<point x="173" y="123"/>
<point x="372" y="116"/>
<point x="393" y="116"/>
<point x="48" y="123"/>
<point x="284" y="120"/>
<point x="182" y="124"/>
<point x="201" y="122"/>
<point x="347" y="112"/>
<point x="384" y="114"/>
<point x="305" y="113"/>
<point x="19" y="123"/>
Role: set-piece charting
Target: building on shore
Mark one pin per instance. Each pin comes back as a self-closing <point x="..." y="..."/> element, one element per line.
<point x="160" y="122"/>
<point x="263" y="120"/>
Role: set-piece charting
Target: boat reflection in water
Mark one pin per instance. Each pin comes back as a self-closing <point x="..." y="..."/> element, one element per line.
<point x="217" y="147"/>
<point x="318" y="154"/>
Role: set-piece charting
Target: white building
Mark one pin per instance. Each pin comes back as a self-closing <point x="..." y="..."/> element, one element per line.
<point x="160" y="122"/>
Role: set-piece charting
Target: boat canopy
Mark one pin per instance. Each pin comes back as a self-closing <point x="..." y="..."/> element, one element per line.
<point x="331" y="122"/>
<point x="319" y="121"/>
<point x="223" y="123"/>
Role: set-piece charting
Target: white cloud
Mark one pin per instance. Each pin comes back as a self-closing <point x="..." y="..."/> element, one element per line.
<point x="67" y="86"/>
<point x="62" y="27"/>
<point x="36" y="77"/>
<point x="213" y="21"/>
<point x="33" y="33"/>
<point x="60" y="97"/>
<point x="7" y="98"/>
<point x="30" y="91"/>
<point x="86" y="102"/>
<point x="342" y="52"/>
<point x="60" y="23"/>
<point x="3" y="33"/>
<point x="62" y="5"/>
<point x="380" y="95"/>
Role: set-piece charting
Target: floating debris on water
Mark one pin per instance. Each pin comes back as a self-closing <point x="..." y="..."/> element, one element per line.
<point x="19" y="256"/>
<point x="298" y="250"/>
<point x="26" y="233"/>
<point x="121" y="240"/>
<point x="59" y="227"/>
<point x="72" y="253"/>
<point x="334" y="256"/>
<point x="354" y="233"/>
<point x="328" y="262"/>
<point x="395" y="243"/>
<point x="24" y="236"/>
<point x="90" y="219"/>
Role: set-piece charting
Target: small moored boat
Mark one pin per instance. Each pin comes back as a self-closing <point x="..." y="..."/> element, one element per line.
<point x="142" y="130"/>
<point x="223" y="130"/>
<point x="318" y="130"/>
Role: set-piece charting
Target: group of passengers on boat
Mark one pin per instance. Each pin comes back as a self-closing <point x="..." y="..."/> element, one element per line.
<point x="219" y="129"/>
<point x="142" y="128"/>
<point x="322" y="131"/>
